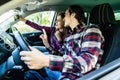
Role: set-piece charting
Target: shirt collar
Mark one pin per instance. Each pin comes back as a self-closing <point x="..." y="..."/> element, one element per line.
<point x="76" y="29"/>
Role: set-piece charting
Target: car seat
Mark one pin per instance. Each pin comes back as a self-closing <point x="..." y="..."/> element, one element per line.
<point x="103" y="16"/>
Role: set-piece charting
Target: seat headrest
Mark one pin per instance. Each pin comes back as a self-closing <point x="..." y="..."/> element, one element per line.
<point x="102" y="14"/>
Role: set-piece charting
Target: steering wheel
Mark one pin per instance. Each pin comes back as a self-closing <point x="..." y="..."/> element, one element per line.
<point x="24" y="46"/>
<point x="21" y="41"/>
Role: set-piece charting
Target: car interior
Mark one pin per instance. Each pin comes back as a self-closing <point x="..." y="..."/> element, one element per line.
<point x="105" y="13"/>
<point x="111" y="30"/>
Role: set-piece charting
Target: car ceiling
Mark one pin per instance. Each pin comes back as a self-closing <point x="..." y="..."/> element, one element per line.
<point x="86" y="4"/>
<point x="6" y="5"/>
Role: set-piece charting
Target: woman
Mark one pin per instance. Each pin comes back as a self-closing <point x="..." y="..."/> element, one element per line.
<point x="52" y="36"/>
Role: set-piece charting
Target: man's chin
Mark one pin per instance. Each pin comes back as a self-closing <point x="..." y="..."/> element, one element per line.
<point x="66" y="26"/>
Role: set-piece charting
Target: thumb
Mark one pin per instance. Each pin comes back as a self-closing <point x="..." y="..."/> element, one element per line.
<point x="33" y="49"/>
<point x="41" y="36"/>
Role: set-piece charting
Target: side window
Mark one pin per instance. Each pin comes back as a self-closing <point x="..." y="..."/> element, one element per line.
<point x="44" y="18"/>
<point x="117" y="16"/>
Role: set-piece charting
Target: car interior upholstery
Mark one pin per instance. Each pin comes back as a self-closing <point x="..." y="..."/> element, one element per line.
<point x="103" y="16"/>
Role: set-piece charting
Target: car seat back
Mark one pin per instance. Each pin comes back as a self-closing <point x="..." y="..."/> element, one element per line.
<point x="103" y="16"/>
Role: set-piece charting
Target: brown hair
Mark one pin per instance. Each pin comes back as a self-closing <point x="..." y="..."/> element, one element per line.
<point x="65" y="29"/>
<point x="78" y="11"/>
<point x="62" y="14"/>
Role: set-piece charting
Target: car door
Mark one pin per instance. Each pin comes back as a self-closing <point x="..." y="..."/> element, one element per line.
<point x="44" y="18"/>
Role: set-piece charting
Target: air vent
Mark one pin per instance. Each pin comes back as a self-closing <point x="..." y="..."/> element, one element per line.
<point x="1" y="41"/>
<point x="7" y="46"/>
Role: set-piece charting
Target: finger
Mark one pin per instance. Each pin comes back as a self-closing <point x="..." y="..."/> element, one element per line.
<point x="41" y="36"/>
<point x="30" y="66"/>
<point x="33" y="50"/>
<point x="27" y="62"/>
<point x="24" y="53"/>
<point x="44" y="32"/>
<point x="25" y="58"/>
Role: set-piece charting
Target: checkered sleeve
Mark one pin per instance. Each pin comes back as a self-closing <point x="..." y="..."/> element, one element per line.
<point x="82" y="62"/>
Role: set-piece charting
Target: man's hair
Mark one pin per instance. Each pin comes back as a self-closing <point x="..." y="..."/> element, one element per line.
<point x="62" y="14"/>
<point x="78" y="11"/>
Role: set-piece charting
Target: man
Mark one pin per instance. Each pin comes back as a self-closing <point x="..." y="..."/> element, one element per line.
<point x="81" y="48"/>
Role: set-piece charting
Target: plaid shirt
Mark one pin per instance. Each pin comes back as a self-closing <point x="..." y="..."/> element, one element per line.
<point x="82" y="48"/>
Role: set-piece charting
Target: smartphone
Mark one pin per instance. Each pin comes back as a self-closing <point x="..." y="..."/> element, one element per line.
<point x="16" y="17"/>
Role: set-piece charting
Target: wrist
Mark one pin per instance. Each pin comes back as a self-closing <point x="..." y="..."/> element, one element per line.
<point x="47" y="45"/>
<point x="47" y="61"/>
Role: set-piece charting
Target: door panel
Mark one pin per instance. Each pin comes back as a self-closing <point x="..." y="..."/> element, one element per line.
<point x="33" y="38"/>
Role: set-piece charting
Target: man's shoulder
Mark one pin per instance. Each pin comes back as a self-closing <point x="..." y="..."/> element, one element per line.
<point x="91" y="29"/>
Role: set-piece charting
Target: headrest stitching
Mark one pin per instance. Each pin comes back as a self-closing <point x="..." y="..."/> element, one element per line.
<point x="107" y="14"/>
<point x="103" y="12"/>
<point x="99" y="14"/>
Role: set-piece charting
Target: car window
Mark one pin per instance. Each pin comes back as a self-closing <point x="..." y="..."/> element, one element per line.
<point x="44" y="18"/>
<point x="117" y="16"/>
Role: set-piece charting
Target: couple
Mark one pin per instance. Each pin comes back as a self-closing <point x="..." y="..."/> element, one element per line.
<point x="81" y="49"/>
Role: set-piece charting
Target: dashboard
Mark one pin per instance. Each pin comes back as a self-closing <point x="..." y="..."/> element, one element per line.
<point x="6" y="42"/>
